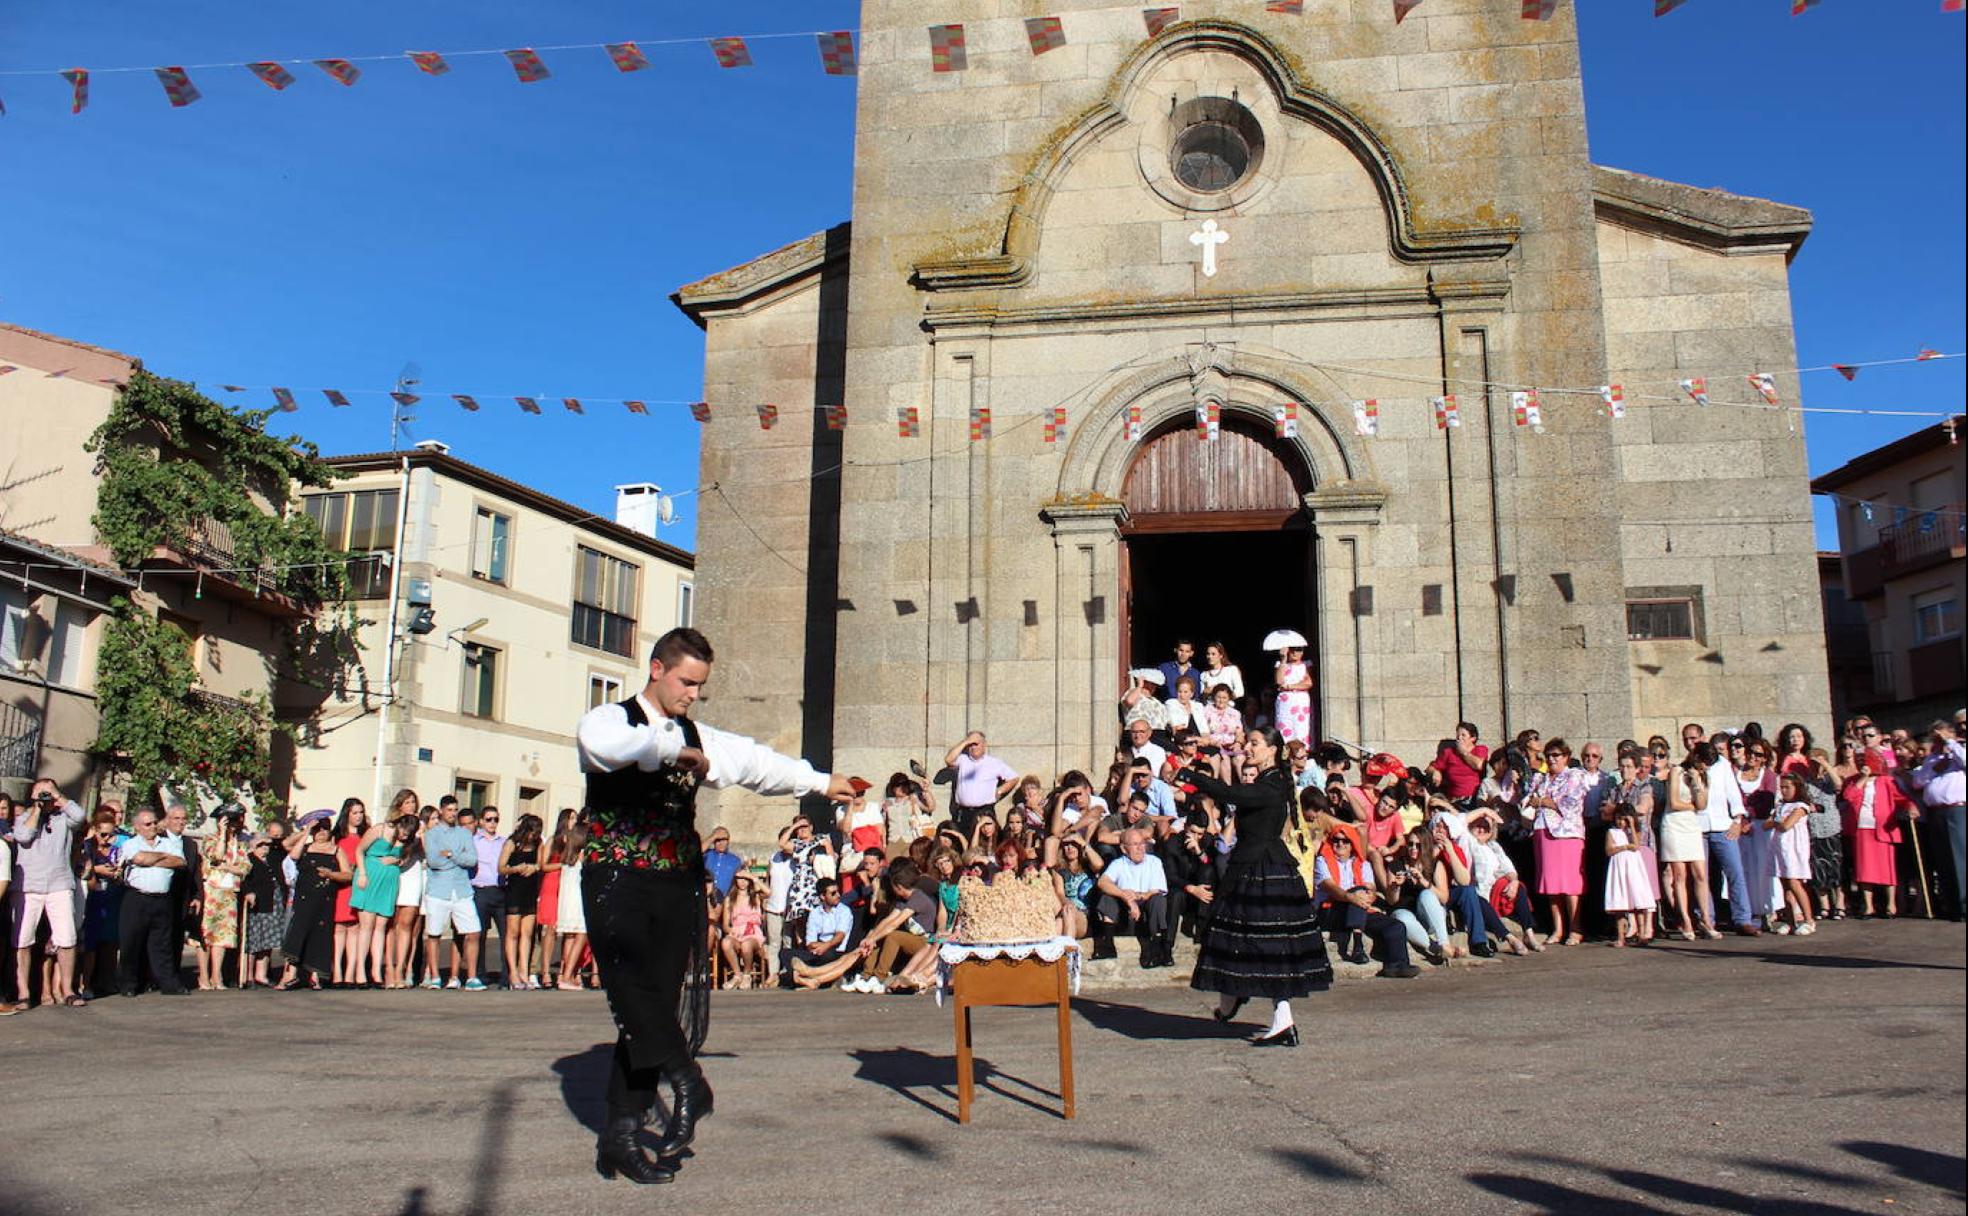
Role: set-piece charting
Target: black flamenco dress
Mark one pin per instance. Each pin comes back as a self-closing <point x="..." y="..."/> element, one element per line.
<point x="1262" y="939"/>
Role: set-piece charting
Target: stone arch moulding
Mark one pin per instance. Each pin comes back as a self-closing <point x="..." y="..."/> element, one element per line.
<point x="1010" y="266"/>
<point x="1098" y="451"/>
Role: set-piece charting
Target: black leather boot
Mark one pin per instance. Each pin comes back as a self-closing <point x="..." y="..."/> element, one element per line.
<point x="691" y="1103"/>
<point x="617" y="1152"/>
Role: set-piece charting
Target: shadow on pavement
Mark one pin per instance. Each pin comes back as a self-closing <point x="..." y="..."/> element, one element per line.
<point x="1842" y="962"/>
<point x="912" y="1146"/>
<point x="906" y="1070"/>
<point x="1938" y="1170"/>
<point x="1137" y="1023"/>
<point x="1320" y="1166"/>
<point x="583" y="1076"/>
<point x="488" y="1162"/>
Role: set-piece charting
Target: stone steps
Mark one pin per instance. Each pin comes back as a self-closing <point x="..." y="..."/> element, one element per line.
<point x="1125" y="971"/>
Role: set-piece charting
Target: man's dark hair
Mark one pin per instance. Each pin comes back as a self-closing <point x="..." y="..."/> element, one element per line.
<point x="447" y="800"/>
<point x="1140" y="796"/>
<point x="681" y="644"/>
<point x="1471" y="728"/>
<point x="825" y="885"/>
<point x="1142" y="762"/>
<point x="877" y="854"/>
<point x="903" y="875"/>
<point x="467" y="810"/>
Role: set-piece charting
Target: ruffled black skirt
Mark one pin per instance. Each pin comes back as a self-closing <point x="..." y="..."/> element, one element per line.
<point x="1263" y="937"/>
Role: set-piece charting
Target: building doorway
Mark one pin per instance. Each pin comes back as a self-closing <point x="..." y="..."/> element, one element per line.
<point x="1218" y="548"/>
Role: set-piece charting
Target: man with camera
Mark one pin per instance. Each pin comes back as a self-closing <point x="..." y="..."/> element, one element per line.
<point x="44" y="878"/>
<point x="150" y="859"/>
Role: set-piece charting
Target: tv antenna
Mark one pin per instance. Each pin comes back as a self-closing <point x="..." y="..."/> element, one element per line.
<point x="404" y="412"/>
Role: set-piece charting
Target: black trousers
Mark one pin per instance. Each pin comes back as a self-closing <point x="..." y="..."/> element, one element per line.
<point x="1153" y="924"/>
<point x="148" y="924"/>
<point x="640" y="925"/>
<point x="1349" y="917"/>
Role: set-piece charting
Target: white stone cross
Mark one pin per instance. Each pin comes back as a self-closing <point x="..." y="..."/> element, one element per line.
<point x="1209" y="238"/>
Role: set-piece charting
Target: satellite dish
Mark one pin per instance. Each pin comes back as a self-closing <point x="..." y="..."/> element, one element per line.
<point x="665" y="509"/>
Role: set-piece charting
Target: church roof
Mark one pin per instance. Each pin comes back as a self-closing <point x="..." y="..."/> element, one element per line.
<point x="766" y="273"/>
<point x="1699" y="215"/>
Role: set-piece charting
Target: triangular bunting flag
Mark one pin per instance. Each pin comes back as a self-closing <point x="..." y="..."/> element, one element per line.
<point x="1765" y="384"/>
<point x="1209" y="421"/>
<point x="1402" y="8"/>
<point x="60" y="375"/>
<point x="1954" y="6"/>
<point x="1366" y="417"/>
<point x="233" y="388"/>
<point x="768" y="416"/>
<point x="837" y="53"/>
<point x="7" y="369"/>
<point x="700" y="410"/>
<point x="1284" y="420"/>
<point x="284" y="398"/>
<point x="1539" y="10"/>
<point x="1055" y="423"/>
<point x="271" y="74"/>
<point x="836" y="417"/>
<point x="1798" y="6"/>
<point x="1926" y="354"/>
<point x="573" y="405"/>
<point x="1447" y="413"/>
<point x="946" y="49"/>
<point x="1294" y="7"/>
<point x="1663" y="7"/>
<point x="470" y="403"/>
<point x="1159" y="19"/>
<point x="1133" y="431"/>
<point x="1614" y="395"/>
<point x="527" y="405"/>
<point x="731" y="52"/>
<point x="1045" y="34"/>
<point x="335" y="397"/>
<point x="980" y="422"/>
<point x="406" y="400"/>
<point x="1846" y="370"/>
<point x="177" y="86"/>
<point x="1526" y="410"/>
<point x="636" y="407"/>
<point x="627" y="57"/>
<point x="78" y="79"/>
<point x="430" y="63"/>
<point x="527" y="65"/>
<point x="908" y="421"/>
<point x="344" y="72"/>
<point x="1697" y="389"/>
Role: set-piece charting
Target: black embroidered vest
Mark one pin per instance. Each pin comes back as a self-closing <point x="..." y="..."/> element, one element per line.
<point x="645" y="820"/>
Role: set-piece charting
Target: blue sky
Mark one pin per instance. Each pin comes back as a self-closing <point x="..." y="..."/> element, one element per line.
<point x="524" y="239"/>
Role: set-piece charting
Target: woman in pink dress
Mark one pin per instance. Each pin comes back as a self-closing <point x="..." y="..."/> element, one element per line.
<point x="1874" y="809"/>
<point x="351" y="965"/>
<point x="1223" y="723"/>
<point x="1292" y="713"/>
<point x="1557" y="804"/>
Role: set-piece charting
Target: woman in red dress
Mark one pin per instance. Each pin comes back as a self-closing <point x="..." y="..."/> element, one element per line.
<point x="351" y="967"/>
<point x="1874" y="810"/>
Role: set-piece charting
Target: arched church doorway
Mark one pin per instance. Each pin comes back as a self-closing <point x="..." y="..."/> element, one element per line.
<point x="1218" y="547"/>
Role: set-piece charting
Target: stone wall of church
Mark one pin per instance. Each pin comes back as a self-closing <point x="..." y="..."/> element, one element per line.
<point x="1714" y="501"/>
<point x="1011" y="249"/>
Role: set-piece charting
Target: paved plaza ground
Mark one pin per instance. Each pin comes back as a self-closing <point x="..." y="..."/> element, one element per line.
<point x="1781" y="1076"/>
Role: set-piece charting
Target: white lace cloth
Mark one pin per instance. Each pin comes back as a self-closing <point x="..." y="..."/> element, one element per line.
<point x="1049" y="950"/>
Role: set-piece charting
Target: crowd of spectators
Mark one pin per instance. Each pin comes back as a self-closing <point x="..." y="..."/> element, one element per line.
<point x="1473" y="850"/>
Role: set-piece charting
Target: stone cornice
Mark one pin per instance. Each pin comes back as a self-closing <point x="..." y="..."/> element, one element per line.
<point x="984" y="314"/>
<point x="1712" y="219"/>
<point x="736" y="289"/>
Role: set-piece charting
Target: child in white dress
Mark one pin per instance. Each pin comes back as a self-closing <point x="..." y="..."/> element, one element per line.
<point x="1790" y="830"/>
<point x="1629" y="894"/>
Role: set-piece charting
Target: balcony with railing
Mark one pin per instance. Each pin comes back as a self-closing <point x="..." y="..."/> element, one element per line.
<point x="208" y="548"/>
<point x="1907" y="546"/>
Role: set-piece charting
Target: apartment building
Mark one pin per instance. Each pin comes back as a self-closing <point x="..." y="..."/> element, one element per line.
<point x="512" y="613"/>
<point x="1902" y="538"/>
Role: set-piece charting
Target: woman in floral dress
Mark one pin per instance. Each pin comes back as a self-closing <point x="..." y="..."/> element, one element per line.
<point x="1557" y="806"/>
<point x="226" y="864"/>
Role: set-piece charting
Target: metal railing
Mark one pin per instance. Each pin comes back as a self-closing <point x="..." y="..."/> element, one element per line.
<point x="20" y="741"/>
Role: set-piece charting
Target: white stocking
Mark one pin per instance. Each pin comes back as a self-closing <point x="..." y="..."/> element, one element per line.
<point x="1281" y="1016"/>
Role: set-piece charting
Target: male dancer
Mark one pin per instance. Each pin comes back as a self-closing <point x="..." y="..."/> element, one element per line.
<point x="642" y="883"/>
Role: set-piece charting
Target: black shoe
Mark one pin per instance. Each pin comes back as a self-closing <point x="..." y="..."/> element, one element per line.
<point x="1288" y="1037"/>
<point x="1435" y="958"/>
<point x="1356" y="952"/>
<point x="1407" y="972"/>
<point x="1104" y="949"/>
<point x="693" y="1102"/>
<point x="174" y="992"/>
<point x="1484" y="949"/>
<point x="617" y="1152"/>
<point x="1235" y="1009"/>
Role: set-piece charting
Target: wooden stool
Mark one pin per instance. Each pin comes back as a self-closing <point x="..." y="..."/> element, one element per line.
<point x="1008" y="981"/>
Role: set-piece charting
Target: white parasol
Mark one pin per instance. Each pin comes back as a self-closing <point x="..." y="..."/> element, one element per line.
<point x="1278" y="639"/>
<point x="1148" y="674"/>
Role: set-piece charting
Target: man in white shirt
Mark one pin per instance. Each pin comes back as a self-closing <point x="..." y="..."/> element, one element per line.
<point x="1133" y="894"/>
<point x="1142" y="744"/>
<point x="148" y="858"/>
<point x="642" y="886"/>
<point x="1723" y="822"/>
<point x="1942" y="779"/>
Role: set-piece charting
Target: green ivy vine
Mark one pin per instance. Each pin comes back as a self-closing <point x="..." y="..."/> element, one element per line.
<point x="170" y="459"/>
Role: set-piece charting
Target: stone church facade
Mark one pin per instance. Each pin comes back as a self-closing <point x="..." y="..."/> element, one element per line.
<point x="1395" y="212"/>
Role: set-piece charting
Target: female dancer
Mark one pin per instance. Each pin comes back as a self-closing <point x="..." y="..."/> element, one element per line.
<point x="1262" y="938"/>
